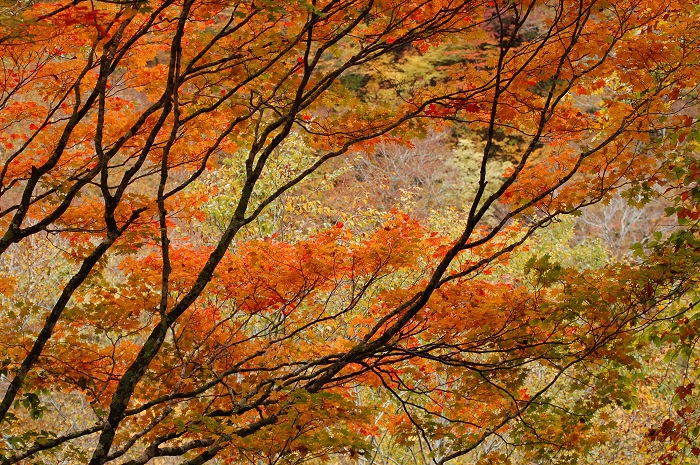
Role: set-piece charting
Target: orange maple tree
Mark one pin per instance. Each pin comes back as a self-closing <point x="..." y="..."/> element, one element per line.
<point x="146" y="342"/>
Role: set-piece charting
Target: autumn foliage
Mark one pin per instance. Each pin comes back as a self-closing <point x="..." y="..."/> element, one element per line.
<point x="134" y="327"/>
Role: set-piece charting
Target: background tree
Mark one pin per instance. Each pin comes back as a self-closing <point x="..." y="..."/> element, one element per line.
<point x="161" y="339"/>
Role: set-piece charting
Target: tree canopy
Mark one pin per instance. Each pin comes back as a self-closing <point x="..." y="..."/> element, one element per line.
<point x="153" y="307"/>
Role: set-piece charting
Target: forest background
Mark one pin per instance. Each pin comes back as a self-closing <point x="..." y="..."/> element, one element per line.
<point x="349" y="231"/>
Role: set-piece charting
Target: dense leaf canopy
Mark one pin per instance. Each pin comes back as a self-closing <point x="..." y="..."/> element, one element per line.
<point x="152" y="305"/>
